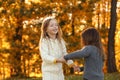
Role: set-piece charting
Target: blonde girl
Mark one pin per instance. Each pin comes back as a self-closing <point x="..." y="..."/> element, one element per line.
<point x="52" y="47"/>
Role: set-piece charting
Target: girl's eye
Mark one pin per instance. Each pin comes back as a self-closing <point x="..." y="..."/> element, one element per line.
<point x="53" y="25"/>
<point x="56" y="24"/>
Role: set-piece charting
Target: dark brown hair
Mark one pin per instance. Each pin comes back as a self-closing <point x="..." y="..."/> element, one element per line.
<point x="91" y="36"/>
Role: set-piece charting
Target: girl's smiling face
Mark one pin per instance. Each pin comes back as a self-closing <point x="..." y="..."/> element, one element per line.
<point x="52" y="28"/>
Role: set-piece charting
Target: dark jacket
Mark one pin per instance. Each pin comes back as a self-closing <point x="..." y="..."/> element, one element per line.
<point x="93" y="62"/>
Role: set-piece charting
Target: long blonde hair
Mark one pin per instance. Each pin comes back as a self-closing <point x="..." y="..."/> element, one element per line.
<point x="44" y="27"/>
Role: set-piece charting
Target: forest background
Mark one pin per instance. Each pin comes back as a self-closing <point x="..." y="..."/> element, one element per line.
<point x="20" y="23"/>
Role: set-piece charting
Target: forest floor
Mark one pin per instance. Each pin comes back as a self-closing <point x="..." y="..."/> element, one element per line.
<point x="108" y="76"/>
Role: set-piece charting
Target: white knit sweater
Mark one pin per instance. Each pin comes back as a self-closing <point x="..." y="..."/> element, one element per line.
<point x="50" y="50"/>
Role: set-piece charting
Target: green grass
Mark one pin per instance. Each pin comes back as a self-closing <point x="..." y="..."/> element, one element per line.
<point x="112" y="76"/>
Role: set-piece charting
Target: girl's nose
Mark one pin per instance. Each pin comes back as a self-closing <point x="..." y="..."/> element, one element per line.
<point x="55" y="26"/>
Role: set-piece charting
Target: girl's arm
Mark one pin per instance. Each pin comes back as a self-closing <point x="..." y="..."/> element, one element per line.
<point x="44" y="52"/>
<point x="84" y="52"/>
<point x="70" y="63"/>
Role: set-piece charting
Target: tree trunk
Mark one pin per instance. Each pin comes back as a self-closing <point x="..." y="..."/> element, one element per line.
<point x="73" y="29"/>
<point x="18" y="43"/>
<point x="111" y="63"/>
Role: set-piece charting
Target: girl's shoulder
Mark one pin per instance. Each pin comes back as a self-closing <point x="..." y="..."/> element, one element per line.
<point x="91" y="47"/>
<point x="63" y="42"/>
<point x="44" y="40"/>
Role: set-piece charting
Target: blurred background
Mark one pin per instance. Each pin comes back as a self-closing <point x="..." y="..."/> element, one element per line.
<point x="20" y="23"/>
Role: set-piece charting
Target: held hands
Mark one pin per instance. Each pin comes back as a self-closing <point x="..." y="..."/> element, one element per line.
<point x="76" y="68"/>
<point x="62" y="60"/>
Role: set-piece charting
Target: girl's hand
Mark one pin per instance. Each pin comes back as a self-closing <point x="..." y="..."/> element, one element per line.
<point x="62" y="60"/>
<point x="76" y="68"/>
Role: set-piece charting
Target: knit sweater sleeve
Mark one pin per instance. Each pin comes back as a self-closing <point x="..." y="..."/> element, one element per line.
<point x="64" y="50"/>
<point x="44" y="52"/>
<point x="84" y="52"/>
